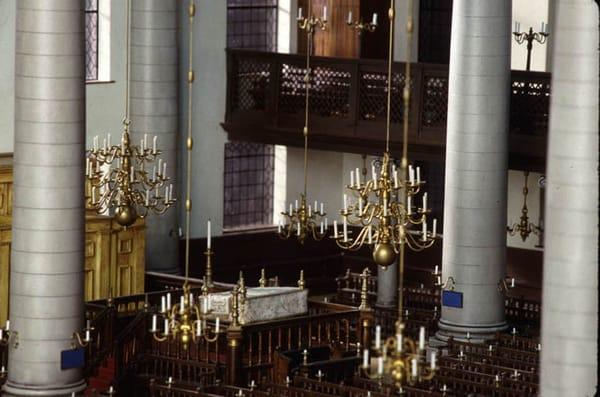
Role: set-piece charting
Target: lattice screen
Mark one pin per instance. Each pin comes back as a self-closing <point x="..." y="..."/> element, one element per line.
<point x="250" y="87"/>
<point x="373" y="96"/>
<point x="252" y="24"/>
<point x="435" y="102"/>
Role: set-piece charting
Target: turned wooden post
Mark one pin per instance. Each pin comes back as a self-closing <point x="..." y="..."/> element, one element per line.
<point x="233" y="374"/>
<point x="367" y="316"/>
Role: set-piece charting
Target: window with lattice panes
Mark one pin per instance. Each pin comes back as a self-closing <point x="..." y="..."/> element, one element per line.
<point x="91" y="39"/>
<point x="252" y="24"/>
<point x="249" y="184"/>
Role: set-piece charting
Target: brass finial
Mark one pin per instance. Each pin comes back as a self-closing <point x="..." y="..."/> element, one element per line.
<point x="301" y="282"/>
<point x="204" y="288"/>
<point x="242" y="288"/>
<point x="262" y="282"/>
<point x="364" y="290"/>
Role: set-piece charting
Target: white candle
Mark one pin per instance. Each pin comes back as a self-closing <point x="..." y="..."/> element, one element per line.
<point x="345" y="203"/>
<point x="87" y="335"/>
<point x="370" y="234"/>
<point x="208" y="235"/>
<point x="309" y="211"/>
<point x="396" y="179"/>
<point x="366" y="358"/>
<point x="291" y="209"/>
<point x="345" y="230"/>
<point x="374" y="173"/>
<point x="87" y="167"/>
<point x="350" y="17"/>
<point x="191" y="298"/>
<point x="205" y="305"/>
<point x="433" y="360"/>
<point x="154" y="173"/>
<point x="164" y="169"/>
<point x="163" y="304"/>
<point x="374" y="22"/>
<point x="299" y="13"/>
<point x="296" y="204"/>
<point x="217" y="323"/>
<point x="542" y="28"/>
<point x="422" y="338"/>
<point x="154" y="320"/>
<point x="411" y="174"/>
<point x="1" y="333"/>
<point x="166" y="330"/>
<point x="335" y="229"/>
<point x="108" y="140"/>
<point x="181" y="304"/>
<point x="96" y="143"/>
<point x="169" y="301"/>
<point x="198" y="328"/>
<point x="414" y="367"/>
<point x="326" y="224"/>
<point x="145" y="145"/>
<point x="93" y="195"/>
<point x="316" y="206"/>
<point x="424" y="231"/>
<point x="434" y="234"/>
<point x="491" y="348"/>
<point x="436" y="270"/>
<point x="425" y="202"/>
<point x="160" y="166"/>
<point x="380" y="365"/>
<point x="147" y="198"/>
<point x="351" y="178"/>
<point x="512" y="283"/>
<point x="298" y="229"/>
<point x="385" y="212"/>
<point x="132" y="174"/>
<point x="322" y="209"/>
<point x="324" y="13"/>
<point x="409" y="204"/>
<point x="322" y="230"/>
<point x="360" y="206"/>
<point x="154" y="144"/>
<point x="378" y="337"/>
<point x="357" y="177"/>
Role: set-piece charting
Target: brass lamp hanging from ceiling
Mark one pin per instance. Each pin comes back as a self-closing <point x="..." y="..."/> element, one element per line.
<point x="304" y="220"/>
<point x="131" y="180"/>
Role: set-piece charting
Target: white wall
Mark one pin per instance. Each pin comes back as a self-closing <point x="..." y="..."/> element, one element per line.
<point x="105" y="100"/>
<point x="210" y="67"/>
<point x="7" y="74"/>
<point x="530" y="13"/>
<point x="516" y="180"/>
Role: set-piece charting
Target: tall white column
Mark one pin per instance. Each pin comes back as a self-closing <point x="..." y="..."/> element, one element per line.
<point x="46" y="285"/>
<point x="570" y="289"/>
<point x="154" y="111"/>
<point x="474" y="244"/>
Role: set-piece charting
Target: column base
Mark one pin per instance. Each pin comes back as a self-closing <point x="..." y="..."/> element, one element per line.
<point x="477" y="333"/>
<point x="17" y="390"/>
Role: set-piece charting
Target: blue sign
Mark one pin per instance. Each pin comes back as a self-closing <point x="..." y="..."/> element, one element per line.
<point x="452" y="299"/>
<point x="74" y="358"/>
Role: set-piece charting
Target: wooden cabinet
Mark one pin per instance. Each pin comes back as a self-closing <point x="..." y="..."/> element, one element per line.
<point x="114" y="257"/>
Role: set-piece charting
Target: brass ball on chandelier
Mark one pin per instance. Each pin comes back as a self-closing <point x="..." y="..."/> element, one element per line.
<point x="384" y="254"/>
<point x="126" y="215"/>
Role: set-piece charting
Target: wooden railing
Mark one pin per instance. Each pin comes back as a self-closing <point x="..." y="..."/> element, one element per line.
<point x="348" y="101"/>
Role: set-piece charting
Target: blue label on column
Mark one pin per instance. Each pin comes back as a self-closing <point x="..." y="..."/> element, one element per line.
<point x="452" y="299"/>
<point x="74" y="358"/>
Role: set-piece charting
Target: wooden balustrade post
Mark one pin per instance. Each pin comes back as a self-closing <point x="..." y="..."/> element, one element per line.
<point x="366" y="317"/>
<point x="233" y="375"/>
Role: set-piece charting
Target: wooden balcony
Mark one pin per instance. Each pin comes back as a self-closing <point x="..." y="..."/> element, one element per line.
<point x="265" y="103"/>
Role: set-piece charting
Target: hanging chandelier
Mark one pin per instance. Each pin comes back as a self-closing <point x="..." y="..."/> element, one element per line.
<point x="130" y="179"/>
<point x="187" y="321"/>
<point x="524" y="227"/>
<point x="303" y="220"/>
<point x="385" y="224"/>
<point x="384" y="207"/>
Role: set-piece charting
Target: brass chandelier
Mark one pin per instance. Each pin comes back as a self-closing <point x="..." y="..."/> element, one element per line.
<point x="383" y="209"/>
<point x="398" y="357"/>
<point x="524" y="227"/>
<point x="129" y="187"/>
<point x="186" y="321"/>
<point x="303" y="220"/>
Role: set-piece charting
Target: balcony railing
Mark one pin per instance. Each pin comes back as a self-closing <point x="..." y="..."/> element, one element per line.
<point x="266" y="95"/>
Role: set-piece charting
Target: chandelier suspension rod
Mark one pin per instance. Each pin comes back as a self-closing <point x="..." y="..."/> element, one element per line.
<point x="309" y="45"/>
<point x="189" y="141"/>
<point x="391" y="13"/>
<point x="127" y="57"/>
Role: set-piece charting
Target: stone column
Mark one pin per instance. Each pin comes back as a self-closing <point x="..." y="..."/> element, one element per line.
<point x="154" y="111"/>
<point x="387" y="286"/>
<point x="46" y="286"/>
<point x="474" y="245"/>
<point x="570" y="289"/>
